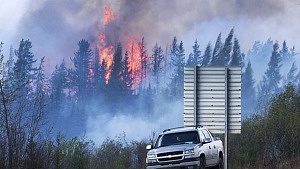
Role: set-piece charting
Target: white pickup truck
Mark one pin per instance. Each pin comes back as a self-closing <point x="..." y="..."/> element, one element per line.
<point x="185" y="148"/>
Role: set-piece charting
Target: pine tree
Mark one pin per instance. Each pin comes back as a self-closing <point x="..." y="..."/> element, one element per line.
<point x="237" y="56"/>
<point x="24" y="70"/>
<point x="115" y="87"/>
<point x="224" y="56"/>
<point x="82" y="64"/>
<point x="144" y="61"/>
<point x="291" y="75"/>
<point x="59" y="81"/>
<point x="173" y="53"/>
<point x="217" y="50"/>
<point x="126" y="76"/>
<point x="273" y="71"/>
<point x="176" y="84"/>
<point x="285" y="52"/>
<point x="99" y="81"/>
<point x="194" y="58"/>
<point x="270" y="83"/>
<point x="189" y="61"/>
<point x="248" y="91"/>
<point x="207" y="55"/>
<point x="197" y="54"/>
<point x="156" y="62"/>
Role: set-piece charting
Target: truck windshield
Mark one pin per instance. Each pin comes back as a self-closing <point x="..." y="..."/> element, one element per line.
<point x="190" y="137"/>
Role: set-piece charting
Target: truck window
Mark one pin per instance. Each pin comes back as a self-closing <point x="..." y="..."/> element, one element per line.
<point x="206" y="134"/>
<point x="190" y="137"/>
<point x="201" y="135"/>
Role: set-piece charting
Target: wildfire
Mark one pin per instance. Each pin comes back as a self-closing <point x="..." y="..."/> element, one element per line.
<point x="106" y="51"/>
<point x="106" y="55"/>
<point x="133" y="46"/>
<point x="108" y="15"/>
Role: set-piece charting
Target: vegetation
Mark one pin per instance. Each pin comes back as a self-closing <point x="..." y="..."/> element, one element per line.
<point x="41" y="118"/>
<point x="269" y="140"/>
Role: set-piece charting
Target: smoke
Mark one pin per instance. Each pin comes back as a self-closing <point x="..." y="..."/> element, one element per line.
<point x="135" y="125"/>
<point x="55" y="26"/>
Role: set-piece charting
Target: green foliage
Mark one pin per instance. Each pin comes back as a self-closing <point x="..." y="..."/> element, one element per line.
<point x="268" y="140"/>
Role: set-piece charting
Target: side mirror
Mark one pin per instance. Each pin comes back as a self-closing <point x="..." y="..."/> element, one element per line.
<point x="149" y="147"/>
<point x="206" y="140"/>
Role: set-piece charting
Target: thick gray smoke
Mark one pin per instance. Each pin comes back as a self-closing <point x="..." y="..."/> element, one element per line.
<point x="55" y="26"/>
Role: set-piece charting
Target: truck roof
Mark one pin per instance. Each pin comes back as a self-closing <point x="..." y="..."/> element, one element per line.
<point x="182" y="129"/>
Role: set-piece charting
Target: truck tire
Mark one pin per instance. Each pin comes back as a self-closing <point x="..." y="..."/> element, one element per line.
<point x="202" y="162"/>
<point x="220" y="164"/>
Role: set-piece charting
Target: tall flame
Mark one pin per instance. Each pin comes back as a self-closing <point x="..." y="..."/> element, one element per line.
<point x="108" y="15"/>
<point x="106" y="50"/>
<point x="132" y="45"/>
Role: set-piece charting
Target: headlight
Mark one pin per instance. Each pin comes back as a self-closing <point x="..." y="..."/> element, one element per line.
<point x="188" y="152"/>
<point x="151" y="158"/>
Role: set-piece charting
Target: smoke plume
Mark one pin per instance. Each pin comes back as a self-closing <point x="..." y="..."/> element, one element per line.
<point x="55" y="26"/>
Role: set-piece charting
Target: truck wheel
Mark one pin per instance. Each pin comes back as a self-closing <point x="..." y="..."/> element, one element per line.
<point x="220" y="164"/>
<point x="202" y="163"/>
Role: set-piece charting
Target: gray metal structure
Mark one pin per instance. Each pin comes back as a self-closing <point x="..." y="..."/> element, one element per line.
<point x="208" y="93"/>
<point x="212" y="98"/>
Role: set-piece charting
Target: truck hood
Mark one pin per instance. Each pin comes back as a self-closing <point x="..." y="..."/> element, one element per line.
<point x="181" y="147"/>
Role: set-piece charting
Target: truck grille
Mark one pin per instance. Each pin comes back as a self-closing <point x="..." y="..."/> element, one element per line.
<point x="170" y="156"/>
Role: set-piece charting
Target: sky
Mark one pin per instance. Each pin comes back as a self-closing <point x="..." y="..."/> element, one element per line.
<point x="56" y="26"/>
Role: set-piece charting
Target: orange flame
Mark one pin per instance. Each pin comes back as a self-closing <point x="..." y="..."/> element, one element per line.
<point x="108" y="15"/>
<point x="106" y="55"/>
<point x="132" y="45"/>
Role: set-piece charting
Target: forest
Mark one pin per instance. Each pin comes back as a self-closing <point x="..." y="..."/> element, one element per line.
<point x="43" y="118"/>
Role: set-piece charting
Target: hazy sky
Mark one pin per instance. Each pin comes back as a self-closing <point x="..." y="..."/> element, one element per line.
<point x="55" y="26"/>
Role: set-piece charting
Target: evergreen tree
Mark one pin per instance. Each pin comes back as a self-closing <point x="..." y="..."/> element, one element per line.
<point x="224" y="56"/>
<point x="273" y="71"/>
<point x="197" y="54"/>
<point x="144" y="61"/>
<point x="176" y="84"/>
<point x="115" y="85"/>
<point x="207" y="55"/>
<point x="126" y="77"/>
<point x="24" y="70"/>
<point x="189" y="61"/>
<point x="217" y="50"/>
<point x="291" y="75"/>
<point x="248" y="91"/>
<point x="115" y="77"/>
<point x="58" y="85"/>
<point x="194" y="58"/>
<point x="286" y="56"/>
<point x="82" y="64"/>
<point x="99" y="81"/>
<point x="237" y="57"/>
<point x="173" y="53"/>
<point x="270" y="83"/>
<point x="156" y="62"/>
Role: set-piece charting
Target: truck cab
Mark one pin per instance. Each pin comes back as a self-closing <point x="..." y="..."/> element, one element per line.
<point x="185" y="147"/>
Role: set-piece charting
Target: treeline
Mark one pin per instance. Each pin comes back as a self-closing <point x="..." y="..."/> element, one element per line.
<point x="270" y="140"/>
<point x="35" y="108"/>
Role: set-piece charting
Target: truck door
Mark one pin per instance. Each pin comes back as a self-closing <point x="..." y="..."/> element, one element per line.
<point x="214" y="147"/>
<point x="207" y="147"/>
